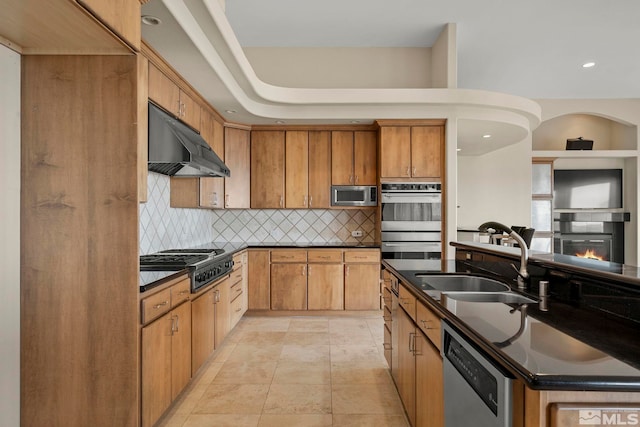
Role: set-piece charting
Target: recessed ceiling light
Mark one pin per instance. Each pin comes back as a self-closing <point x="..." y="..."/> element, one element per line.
<point x="458" y="149"/>
<point x="151" y="20"/>
<point x="588" y="64"/>
<point x="231" y="111"/>
<point x="486" y="135"/>
<point x="280" y="122"/>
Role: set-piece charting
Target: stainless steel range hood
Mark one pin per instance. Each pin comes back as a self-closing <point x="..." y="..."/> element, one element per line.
<point x="177" y="150"/>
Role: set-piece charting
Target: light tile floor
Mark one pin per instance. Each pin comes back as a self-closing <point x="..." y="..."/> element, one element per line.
<point x="295" y="371"/>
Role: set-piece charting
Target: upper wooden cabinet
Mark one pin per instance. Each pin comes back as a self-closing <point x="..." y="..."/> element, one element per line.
<point x="237" y="158"/>
<point x="121" y="16"/>
<point x="411" y="151"/>
<point x="353" y="158"/>
<point x="267" y="169"/>
<point x="296" y="169"/>
<point x="319" y="169"/>
<point x="168" y="95"/>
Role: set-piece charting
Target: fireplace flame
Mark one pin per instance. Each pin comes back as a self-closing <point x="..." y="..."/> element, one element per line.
<point x="591" y="254"/>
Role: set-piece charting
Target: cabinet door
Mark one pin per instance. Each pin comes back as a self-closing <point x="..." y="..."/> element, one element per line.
<point x="180" y="348"/>
<point x="406" y="380"/>
<point x="429" y="384"/>
<point x="267" y="169"/>
<point x="362" y="287"/>
<point x="289" y="286"/>
<point x="189" y="111"/>
<point x="319" y="169"/>
<point x="223" y="311"/>
<point x="395" y="152"/>
<point x="163" y="91"/>
<point x="325" y="286"/>
<point x="212" y="189"/>
<point x="297" y="169"/>
<point x="365" y="164"/>
<point x="342" y="158"/>
<point x="236" y="157"/>
<point x="156" y="369"/>
<point x="426" y="147"/>
<point x="202" y="329"/>
<point x="259" y="288"/>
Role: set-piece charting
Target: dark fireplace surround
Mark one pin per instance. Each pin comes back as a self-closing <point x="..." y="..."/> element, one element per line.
<point x="596" y="234"/>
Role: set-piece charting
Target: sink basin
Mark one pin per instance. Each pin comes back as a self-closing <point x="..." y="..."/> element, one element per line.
<point x="459" y="283"/>
<point x="503" y="297"/>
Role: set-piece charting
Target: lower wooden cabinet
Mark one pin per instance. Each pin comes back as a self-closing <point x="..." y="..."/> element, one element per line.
<point x="166" y="357"/>
<point x="429" y="383"/>
<point x="289" y="286"/>
<point x="406" y="373"/>
<point x="259" y="292"/>
<point x="203" y="328"/>
<point x="325" y="287"/>
<point x="222" y="311"/>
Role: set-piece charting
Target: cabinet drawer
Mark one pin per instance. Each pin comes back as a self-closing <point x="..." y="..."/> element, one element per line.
<point x="429" y="322"/>
<point x="408" y="302"/>
<point x="324" y="256"/>
<point x="294" y="255"/>
<point x="236" y="291"/>
<point x="238" y="260"/>
<point x="372" y="255"/>
<point x="156" y="305"/>
<point x="386" y="315"/>
<point x="180" y="292"/>
<point x="236" y="276"/>
<point x="386" y="298"/>
<point x="236" y="310"/>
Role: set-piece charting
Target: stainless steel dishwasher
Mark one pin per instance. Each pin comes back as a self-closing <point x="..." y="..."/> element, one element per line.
<point x="476" y="392"/>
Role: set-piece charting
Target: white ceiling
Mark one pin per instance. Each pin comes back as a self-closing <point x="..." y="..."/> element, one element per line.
<point x="533" y="49"/>
<point x="517" y="50"/>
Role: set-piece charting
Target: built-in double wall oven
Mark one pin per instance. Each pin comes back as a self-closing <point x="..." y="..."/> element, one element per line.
<point x="412" y="222"/>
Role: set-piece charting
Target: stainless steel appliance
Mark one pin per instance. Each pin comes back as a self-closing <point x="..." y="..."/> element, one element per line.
<point x="411" y="221"/>
<point x="205" y="265"/>
<point x="476" y="392"/>
<point x="354" y="195"/>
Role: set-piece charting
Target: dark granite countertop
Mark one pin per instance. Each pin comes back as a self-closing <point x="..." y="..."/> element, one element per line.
<point x="151" y="279"/>
<point x="564" y="348"/>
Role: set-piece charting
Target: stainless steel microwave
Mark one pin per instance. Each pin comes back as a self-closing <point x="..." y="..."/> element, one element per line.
<point x="352" y="195"/>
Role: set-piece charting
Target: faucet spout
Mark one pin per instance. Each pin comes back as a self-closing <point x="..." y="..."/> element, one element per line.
<point x="523" y="274"/>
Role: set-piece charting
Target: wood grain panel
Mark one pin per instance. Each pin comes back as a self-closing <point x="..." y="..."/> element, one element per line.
<point x="296" y="169"/>
<point x="180" y="349"/>
<point x="202" y="329"/>
<point x="212" y="189"/>
<point x="143" y="127"/>
<point x="289" y="255"/>
<point x="342" y="158"/>
<point x="365" y="163"/>
<point x="121" y="16"/>
<point x="79" y="234"/>
<point x="325" y="287"/>
<point x="319" y="169"/>
<point x="237" y="159"/>
<point x="259" y="280"/>
<point x="429" y="384"/>
<point x="267" y="169"/>
<point x="163" y="91"/>
<point x="222" y="325"/>
<point x="395" y="152"/>
<point x="426" y="151"/>
<point x="156" y="369"/>
<point x="288" y="286"/>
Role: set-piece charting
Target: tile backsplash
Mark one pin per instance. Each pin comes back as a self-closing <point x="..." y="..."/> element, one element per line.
<point x="164" y="227"/>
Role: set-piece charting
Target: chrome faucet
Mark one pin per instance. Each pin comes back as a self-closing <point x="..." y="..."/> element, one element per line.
<point x="523" y="274"/>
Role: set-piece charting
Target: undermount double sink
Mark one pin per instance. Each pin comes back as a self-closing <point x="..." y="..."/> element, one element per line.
<point x="468" y="288"/>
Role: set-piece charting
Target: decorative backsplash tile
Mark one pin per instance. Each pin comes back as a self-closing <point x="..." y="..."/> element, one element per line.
<point x="164" y="227"/>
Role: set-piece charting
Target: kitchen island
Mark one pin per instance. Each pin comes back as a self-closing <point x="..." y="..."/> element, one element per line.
<point x="577" y="348"/>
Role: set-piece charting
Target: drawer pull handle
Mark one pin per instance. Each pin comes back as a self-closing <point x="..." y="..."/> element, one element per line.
<point x="183" y="292"/>
<point x="425" y="322"/>
<point x="386" y="346"/>
<point x="238" y="309"/>
<point x="162" y="304"/>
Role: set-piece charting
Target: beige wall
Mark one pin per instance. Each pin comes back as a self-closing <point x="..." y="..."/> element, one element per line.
<point x="9" y="238"/>
<point x="342" y="67"/>
<point x="495" y="187"/>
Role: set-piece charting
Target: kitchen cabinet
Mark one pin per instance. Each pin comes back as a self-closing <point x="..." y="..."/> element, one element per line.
<point x="212" y="191"/>
<point x="429" y="383"/>
<point x="362" y="279"/>
<point x="411" y="151"/>
<point x="237" y="188"/>
<point x="319" y="169"/>
<point x="289" y="279"/>
<point x="121" y="16"/>
<point x="222" y="306"/>
<point x="387" y="314"/>
<point x="267" y="169"/>
<point x="353" y="158"/>
<point x="325" y="280"/>
<point x="259" y="280"/>
<point x="168" y="95"/>
<point x="203" y="328"/>
<point x="296" y="169"/>
<point x="406" y="374"/>
<point x="238" y="288"/>
<point x="165" y="348"/>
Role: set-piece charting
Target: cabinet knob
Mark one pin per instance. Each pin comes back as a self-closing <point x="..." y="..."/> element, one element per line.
<point x="408" y="171"/>
<point x="310" y="200"/>
<point x="226" y="200"/>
